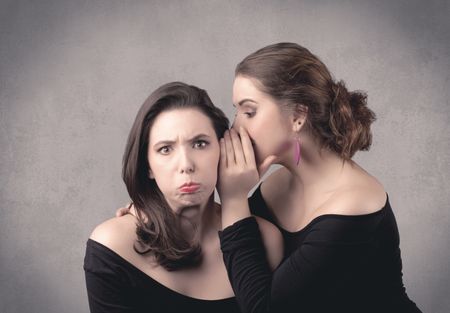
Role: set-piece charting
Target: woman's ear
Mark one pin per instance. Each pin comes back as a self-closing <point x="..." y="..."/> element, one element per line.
<point x="150" y="174"/>
<point x="299" y="117"/>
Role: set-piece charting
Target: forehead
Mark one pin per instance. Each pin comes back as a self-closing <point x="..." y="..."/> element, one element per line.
<point x="246" y="88"/>
<point x="181" y="122"/>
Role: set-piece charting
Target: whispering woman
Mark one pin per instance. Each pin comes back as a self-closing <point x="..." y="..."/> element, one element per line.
<point x="341" y="240"/>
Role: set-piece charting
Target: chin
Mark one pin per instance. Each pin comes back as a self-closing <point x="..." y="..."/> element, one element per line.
<point x="261" y="154"/>
<point x="260" y="159"/>
<point x="192" y="199"/>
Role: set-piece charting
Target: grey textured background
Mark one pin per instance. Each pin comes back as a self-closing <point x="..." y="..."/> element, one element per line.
<point x="74" y="73"/>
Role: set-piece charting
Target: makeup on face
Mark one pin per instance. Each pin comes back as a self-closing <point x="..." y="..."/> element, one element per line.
<point x="190" y="187"/>
<point x="268" y="127"/>
<point x="183" y="156"/>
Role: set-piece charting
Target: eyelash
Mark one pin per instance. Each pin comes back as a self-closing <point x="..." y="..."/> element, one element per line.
<point x="248" y="114"/>
<point x="203" y="142"/>
<point x="160" y="150"/>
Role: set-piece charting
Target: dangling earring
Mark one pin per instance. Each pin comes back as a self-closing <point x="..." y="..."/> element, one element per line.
<point x="297" y="151"/>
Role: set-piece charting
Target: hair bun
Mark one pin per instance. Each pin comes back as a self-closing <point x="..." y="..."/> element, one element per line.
<point x="350" y="120"/>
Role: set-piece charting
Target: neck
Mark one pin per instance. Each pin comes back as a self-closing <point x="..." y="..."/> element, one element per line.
<point x="318" y="169"/>
<point x="201" y="220"/>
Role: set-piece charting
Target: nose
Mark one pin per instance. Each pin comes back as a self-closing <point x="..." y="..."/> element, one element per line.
<point x="186" y="162"/>
<point x="236" y="122"/>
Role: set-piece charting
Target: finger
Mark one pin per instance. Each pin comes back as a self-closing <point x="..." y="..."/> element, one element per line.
<point x="223" y="154"/>
<point x="247" y="147"/>
<point x="133" y="210"/>
<point x="262" y="169"/>
<point x="229" y="148"/>
<point x="237" y="147"/>
<point x="122" y="211"/>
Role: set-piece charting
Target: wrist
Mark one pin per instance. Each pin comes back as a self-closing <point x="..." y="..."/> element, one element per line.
<point x="234" y="210"/>
<point x="234" y="203"/>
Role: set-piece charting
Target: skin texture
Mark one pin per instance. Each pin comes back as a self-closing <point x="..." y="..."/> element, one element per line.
<point x="183" y="148"/>
<point x="262" y="118"/>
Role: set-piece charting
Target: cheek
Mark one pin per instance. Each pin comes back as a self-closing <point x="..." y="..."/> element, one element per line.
<point x="162" y="173"/>
<point x="260" y="133"/>
<point x="210" y="163"/>
<point x="163" y="180"/>
<point x="268" y="138"/>
<point x="213" y="162"/>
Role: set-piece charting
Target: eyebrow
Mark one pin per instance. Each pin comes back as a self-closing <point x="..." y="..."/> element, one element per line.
<point x="168" y="142"/>
<point x="245" y="100"/>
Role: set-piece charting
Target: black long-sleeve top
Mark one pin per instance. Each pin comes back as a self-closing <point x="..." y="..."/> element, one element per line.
<point x="116" y="286"/>
<point x="336" y="263"/>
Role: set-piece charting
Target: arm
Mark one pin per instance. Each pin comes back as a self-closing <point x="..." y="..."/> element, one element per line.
<point x="272" y="241"/>
<point x="325" y="252"/>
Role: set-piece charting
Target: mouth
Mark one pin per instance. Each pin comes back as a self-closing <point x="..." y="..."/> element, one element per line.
<point x="190" y="187"/>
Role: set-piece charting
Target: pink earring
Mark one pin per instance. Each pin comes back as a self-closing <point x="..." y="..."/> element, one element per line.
<point x="297" y="152"/>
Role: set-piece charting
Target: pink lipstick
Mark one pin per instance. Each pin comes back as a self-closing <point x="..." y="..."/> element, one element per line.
<point x="189" y="187"/>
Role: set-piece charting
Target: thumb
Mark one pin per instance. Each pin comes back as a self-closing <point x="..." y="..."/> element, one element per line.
<point x="262" y="169"/>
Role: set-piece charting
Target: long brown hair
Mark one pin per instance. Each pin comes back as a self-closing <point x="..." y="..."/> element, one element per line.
<point x="158" y="228"/>
<point x="295" y="77"/>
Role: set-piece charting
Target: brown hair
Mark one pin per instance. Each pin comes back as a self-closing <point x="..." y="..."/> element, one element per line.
<point x="295" y="77"/>
<point x="158" y="228"/>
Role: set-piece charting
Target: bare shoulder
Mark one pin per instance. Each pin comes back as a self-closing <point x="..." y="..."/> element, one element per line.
<point x="117" y="233"/>
<point x="364" y="195"/>
<point x="273" y="241"/>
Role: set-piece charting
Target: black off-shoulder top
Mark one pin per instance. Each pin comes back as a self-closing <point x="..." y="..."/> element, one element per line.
<point x="114" y="285"/>
<point x="337" y="263"/>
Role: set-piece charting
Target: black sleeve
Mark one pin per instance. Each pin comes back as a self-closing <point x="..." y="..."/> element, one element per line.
<point x="258" y="206"/>
<point x="257" y="289"/>
<point x="107" y="288"/>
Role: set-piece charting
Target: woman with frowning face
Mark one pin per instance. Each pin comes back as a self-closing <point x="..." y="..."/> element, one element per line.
<point x="165" y="256"/>
<point x="340" y="235"/>
<point x="183" y="148"/>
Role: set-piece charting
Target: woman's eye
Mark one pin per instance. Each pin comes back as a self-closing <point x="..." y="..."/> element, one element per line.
<point x="164" y="150"/>
<point x="250" y="114"/>
<point x="200" y="144"/>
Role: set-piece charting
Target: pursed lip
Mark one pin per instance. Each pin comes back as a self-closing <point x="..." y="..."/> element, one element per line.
<point x="189" y="187"/>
